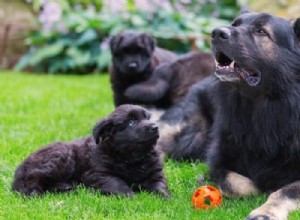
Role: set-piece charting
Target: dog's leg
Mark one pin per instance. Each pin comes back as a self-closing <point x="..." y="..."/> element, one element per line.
<point x="157" y="184"/>
<point x="108" y="185"/>
<point x="149" y="91"/>
<point x="236" y="185"/>
<point x="279" y="204"/>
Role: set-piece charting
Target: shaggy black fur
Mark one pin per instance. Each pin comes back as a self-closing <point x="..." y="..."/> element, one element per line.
<point x="254" y="125"/>
<point x="256" y="130"/>
<point x="184" y="128"/>
<point x="120" y="158"/>
<point x="170" y="82"/>
<point x="134" y="57"/>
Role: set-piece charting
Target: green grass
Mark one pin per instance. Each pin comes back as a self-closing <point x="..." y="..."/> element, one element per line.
<point x="39" y="109"/>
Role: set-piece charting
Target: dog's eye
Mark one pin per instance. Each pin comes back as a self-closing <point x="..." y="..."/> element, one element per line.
<point x="131" y="122"/>
<point x="237" y="23"/>
<point x="261" y="31"/>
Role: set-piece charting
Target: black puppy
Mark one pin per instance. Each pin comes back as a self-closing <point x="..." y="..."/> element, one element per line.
<point x="134" y="57"/>
<point x="120" y="158"/>
<point x="171" y="81"/>
<point x="251" y="110"/>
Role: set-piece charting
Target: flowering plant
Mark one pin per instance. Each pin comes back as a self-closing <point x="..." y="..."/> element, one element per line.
<point x="76" y="41"/>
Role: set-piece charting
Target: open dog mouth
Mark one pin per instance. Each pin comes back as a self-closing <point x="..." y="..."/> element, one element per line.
<point x="229" y="70"/>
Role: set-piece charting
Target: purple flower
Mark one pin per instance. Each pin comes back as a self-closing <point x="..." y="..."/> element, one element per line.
<point x="50" y="14"/>
<point x="114" y="5"/>
<point x="105" y="44"/>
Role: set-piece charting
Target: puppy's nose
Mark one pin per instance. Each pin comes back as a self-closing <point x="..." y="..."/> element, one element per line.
<point x="153" y="128"/>
<point x="221" y="33"/>
<point x="132" y="65"/>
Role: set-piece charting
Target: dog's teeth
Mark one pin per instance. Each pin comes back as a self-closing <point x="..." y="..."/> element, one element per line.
<point x="232" y="64"/>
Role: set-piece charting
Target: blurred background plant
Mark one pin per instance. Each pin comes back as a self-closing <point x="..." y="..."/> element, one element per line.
<point x="73" y="35"/>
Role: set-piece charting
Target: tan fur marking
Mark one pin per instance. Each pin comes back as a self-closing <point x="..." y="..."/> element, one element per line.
<point x="240" y="185"/>
<point x="167" y="132"/>
<point x="277" y="207"/>
<point x="267" y="45"/>
<point x="156" y="114"/>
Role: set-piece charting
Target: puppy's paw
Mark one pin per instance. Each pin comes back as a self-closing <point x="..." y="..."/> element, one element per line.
<point x="163" y="192"/>
<point x="34" y="192"/>
<point x="63" y="187"/>
<point x="128" y="194"/>
<point x="132" y="93"/>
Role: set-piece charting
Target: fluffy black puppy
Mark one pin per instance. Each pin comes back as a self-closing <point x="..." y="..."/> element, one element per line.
<point x="253" y="110"/>
<point x="120" y="158"/>
<point x="171" y="81"/>
<point x="134" y="58"/>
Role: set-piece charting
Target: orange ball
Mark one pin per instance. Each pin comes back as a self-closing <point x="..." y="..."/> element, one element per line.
<point x="206" y="197"/>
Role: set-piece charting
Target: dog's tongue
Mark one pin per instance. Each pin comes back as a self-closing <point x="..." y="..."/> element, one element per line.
<point x="234" y="72"/>
<point x="250" y="78"/>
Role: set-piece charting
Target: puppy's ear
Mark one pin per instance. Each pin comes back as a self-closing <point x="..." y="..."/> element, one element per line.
<point x="149" y="42"/>
<point x="114" y="43"/>
<point x="296" y="27"/>
<point x="101" y="129"/>
<point x="147" y="114"/>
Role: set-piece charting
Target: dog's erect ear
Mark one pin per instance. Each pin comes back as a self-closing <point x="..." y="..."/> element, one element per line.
<point x="115" y="42"/>
<point x="101" y="129"/>
<point x="244" y="10"/>
<point x="296" y="27"/>
<point x="149" y="42"/>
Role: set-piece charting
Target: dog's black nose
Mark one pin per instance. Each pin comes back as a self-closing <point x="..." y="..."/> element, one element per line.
<point x="132" y="65"/>
<point x="153" y="128"/>
<point x="221" y="33"/>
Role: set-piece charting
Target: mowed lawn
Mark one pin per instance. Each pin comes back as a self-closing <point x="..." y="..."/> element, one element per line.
<point x="39" y="109"/>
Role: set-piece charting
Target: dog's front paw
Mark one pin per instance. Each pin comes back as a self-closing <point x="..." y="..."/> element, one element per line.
<point x="165" y="193"/>
<point x="266" y="213"/>
<point x="258" y="217"/>
<point x="33" y="192"/>
<point x="261" y="217"/>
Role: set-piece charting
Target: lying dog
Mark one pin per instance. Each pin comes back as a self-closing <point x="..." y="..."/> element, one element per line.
<point x="252" y="112"/>
<point x="134" y="57"/>
<point x="120" y="158"/>
<point x="170" y="82"/>
<point x="256" y="136"/>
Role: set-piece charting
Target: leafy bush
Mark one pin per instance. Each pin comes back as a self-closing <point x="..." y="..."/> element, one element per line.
<point x="76" y="49"/>
<point x="78" y="42"/>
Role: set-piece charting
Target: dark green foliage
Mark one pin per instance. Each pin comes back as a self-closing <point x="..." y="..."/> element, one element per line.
<point x="78" y="43"/>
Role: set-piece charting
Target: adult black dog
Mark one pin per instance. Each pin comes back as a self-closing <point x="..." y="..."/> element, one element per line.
<point x="120" y="158"/>
<point x="134" y="58"/>
<point x="170" y="82"/>
<point x="253" y="112"/>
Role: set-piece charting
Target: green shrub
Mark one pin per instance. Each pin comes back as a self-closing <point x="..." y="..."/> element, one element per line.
<point x="78" y="42"/>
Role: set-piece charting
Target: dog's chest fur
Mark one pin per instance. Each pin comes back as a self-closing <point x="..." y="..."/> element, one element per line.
<point x="250" y="128"/>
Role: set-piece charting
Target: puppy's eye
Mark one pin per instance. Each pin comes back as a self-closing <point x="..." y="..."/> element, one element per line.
<point x="131" y="122"/>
